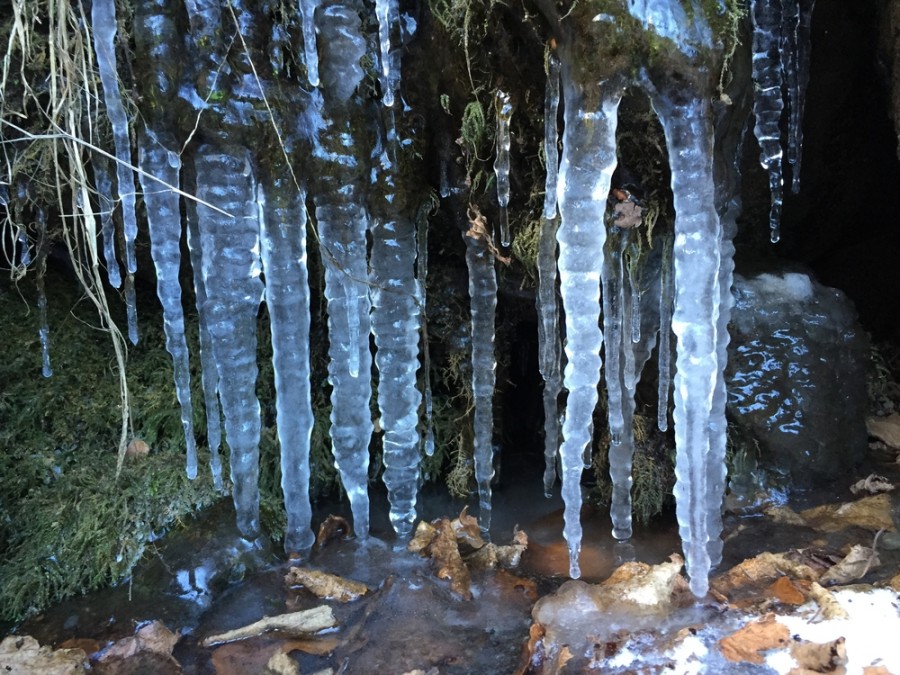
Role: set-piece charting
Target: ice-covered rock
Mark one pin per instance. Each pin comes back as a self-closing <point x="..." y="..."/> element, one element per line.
<point x="796" y="375"/>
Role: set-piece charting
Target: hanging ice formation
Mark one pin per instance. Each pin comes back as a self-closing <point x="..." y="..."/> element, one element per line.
<point x="501" y="164"/>
<point x="549" y="343"/>
<point x="781" y="32"/>
<point x="104" y="27"/>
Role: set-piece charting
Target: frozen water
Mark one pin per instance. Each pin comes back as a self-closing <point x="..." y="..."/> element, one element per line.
<point x="501" y="163"/>
<point x="388" y="14"/>
<point x="164" y="222"/>
<point x="103" y="183"/>
<point x="483" y="303"/>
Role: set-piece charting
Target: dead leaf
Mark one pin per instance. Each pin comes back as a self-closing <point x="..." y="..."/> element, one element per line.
<point x="152" y="637"/>
<point x="422" y="538"/>
<point x="745" y="645"/>
<point x="438" y="542"/>
<point x="855" y="565"/>
<point x="137" y="448"/>
<point x="324" y="585"/>
<point x="305" y="622"/>
<point x="785" y="591"/>
<point x="491" y="556"/>
<point x="23" y="655"/>
<point x="510" y="582"/>
<point x="886" y="429"/>
<point x="829" y="608"/>
<point x="532" y="653"/>
<point x="761" y="568"/>
<point x="478" y="230"/>
<point x="281" y="664"/>
<point x="828" y="657"/>
<point x="467" y="531"/>
<point x="333" y="527"/>
<point x="784" y="515"/>
<point x="873" y="484"/>
<point x="871" y="513"/>
<point x="242" y="658"/>
<point x="319" y="646"/>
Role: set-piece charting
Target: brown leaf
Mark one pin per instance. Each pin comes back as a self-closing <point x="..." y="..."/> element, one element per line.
<point x="152" y="637"/>
<point x="828" y="657"/>
<point x="510" y="582"/>
<point x="324" y="585"/>
<point x="305" y="622"/>
<point x="532" y="654"/>
<point x="492" y="556"/>
<point x="438" y="542"/>
<point x="467" y="530"/>
<point x="761" y="568"/>
<point x="745" y="645"/>
<point x="855" y="565"/>
<point x="241" y="658"/>
<point x="785" y="591"/>
<point x="319" y="646"/>
<point x="333" y="527"/>
<point x="423" y="537"/>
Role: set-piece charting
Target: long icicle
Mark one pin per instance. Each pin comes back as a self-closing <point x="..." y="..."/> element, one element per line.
<point x="588" y="162"/>
<point x="501" y="163"/>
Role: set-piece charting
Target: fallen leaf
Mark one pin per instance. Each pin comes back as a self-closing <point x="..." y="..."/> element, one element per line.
<point x="532" y="653"/>
<point x="491" y="556"/>
<point x="510" y="582"/>
<point x="151" y="637"/>
<point x="23" y="655"/>
<point x="324" y="585"/>
<point x="242" y="658"/>
<point x="318" y="646"/>
<point x="785" y="591"/>
<point x="871" y="513"/>
<point x="422" y="538"/>
<point x="746" y="644"/>
<point x="467" y="531"/>
<point x="88" y="645"/>
<point x="305" y="622"/>
<point x="762" y="568"/>
<point x="784" y="515"/>
<point x="438" y="542"/>
<point x="855" y="565"/>
<point x="872" y="484"/>
<point x="281" y="664"/>
<point x="828" y="657"/>
<point x="333" y="527"/>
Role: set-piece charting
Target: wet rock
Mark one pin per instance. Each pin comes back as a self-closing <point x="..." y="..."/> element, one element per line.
<point x="23" y="655"/>
<point x="871" y="513"/>
<point x="796" y="376"/>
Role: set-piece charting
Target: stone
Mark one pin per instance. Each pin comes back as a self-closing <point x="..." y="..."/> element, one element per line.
<point x="796" y="376"/>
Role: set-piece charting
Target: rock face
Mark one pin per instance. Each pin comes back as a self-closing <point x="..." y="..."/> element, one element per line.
<point x="796" y="375"/>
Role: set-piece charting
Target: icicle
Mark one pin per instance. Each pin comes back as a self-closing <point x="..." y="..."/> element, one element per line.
<point x="44" y="330"/>
<point x="637" y="292"/>
<point x="342" y="229"/>
<point x="231" y="276"/>
<point x="664" y="382"/>
<point x="422" y="280"/>
<point x="549" y="345"/>
<point x="308" y="17"/>
<point x="103" y="182"/>
<point x="588" y="161"/>
<point x="164" y="222"/>
<point x="767" y="101"/>
<point x="483" y="304"/>
<point x="283" y="248"/>
<point x="131" y="309"/>
<point x="395" y="325"/>
<point x="501" y="163"/>
<point x="103" y="25"/>
<point x="612" y="276"/>
<point x="551" y="136"/>
<point x="24" y="248"/>
<point x="208" y="375"/>
<point x="388" y="14"/>
<point x="796" y="48"/>
<point x="687" y="123"/>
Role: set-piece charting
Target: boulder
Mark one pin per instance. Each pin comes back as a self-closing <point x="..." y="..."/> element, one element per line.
<point x="796" y="376"/>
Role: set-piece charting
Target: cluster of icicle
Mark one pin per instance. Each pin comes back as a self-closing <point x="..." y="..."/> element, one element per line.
<point x="246" y="234"/>
<point x="781" y="47"/>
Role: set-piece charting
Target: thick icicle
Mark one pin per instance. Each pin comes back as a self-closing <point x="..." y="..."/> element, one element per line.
<point x="795" y="49"/>
<point x="388" y="15"/>
<point x="209" y="377"/>
<point x="311" y="54"/>
<point x="588" y="161"/>
<point x="483" y="304"/>
<point x="283" y="217"/>
<point x="664" y="378"/>
<point x="164" y="222"/>
<point x="340" y="160"/>
<point x="104" y="185"/>
<point x="342" y="228"/>
<point x="103" y="25"/>
<point x="231" y="275"/>
<point x="549" y="344"/>
<point x="501" y="163"/>
<point x="395" y="325"/>
<point x="687" y="123"/>
<point x="767" y="99"/>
